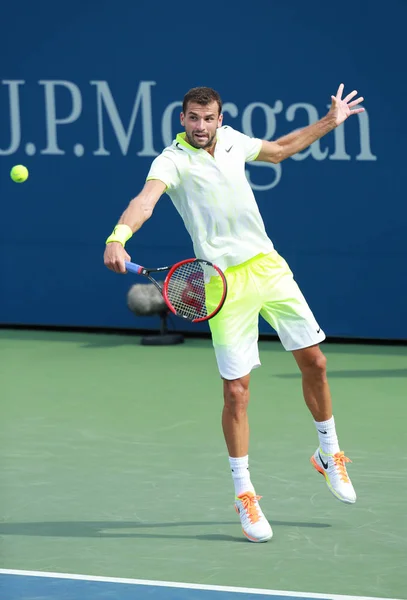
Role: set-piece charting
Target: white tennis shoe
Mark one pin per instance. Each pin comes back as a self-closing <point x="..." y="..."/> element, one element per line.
<point x="332" y="467"/>
<point x="254" y="524"/>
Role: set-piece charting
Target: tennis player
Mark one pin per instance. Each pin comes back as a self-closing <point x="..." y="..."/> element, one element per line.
<point x="203" y="172"/>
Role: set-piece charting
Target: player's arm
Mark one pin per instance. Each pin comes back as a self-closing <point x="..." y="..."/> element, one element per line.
<point x="136" y="214"/>
<point x="294" y="142"/>
<point x="141" y="207"/>
<point x="284" y="147"/>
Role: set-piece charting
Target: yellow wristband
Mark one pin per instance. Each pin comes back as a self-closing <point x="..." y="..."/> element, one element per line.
<point x="121" y="233"/>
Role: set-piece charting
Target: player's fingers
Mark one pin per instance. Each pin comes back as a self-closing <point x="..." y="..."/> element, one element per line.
<point x="120" y="266"/>
<point x="115" y="262"/>
<point x="355" y="111"/>
<point x="107" y="261"/>
<point x="355" y="102"/>
<point x="340" y="91"/>
<point x="127" y="258"/>
<point x="113" y="266"/>
<point x="350" y="96"/>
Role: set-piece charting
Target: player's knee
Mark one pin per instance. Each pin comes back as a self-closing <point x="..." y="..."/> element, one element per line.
<point x="236" y="394"/>
<point x="315" y="366"/>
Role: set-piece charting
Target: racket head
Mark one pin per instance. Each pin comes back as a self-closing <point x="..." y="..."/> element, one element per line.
<point x="195" y="289"/>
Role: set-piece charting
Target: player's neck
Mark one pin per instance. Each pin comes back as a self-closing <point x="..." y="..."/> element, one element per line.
<point x="211" y="149"/>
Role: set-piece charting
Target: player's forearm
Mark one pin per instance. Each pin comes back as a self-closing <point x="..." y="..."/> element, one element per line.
<point x="299" y="140"/>
<point x="137" y="213"/>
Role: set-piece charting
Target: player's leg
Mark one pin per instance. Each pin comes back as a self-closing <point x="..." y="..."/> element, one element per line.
<point x="235" y="421"/>
<point x="289" y="314"/>
<point x="235" y="424"/>
<point x="327" y="459"/>
<point x="312" y="364"/>
<point x="234" y="337"/>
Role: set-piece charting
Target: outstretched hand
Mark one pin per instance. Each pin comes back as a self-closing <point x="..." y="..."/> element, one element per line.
<point x="341" y="109"/>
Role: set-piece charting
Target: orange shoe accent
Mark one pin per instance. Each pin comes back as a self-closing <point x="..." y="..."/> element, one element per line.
<point x="340" y="459"/>
<point x="252" y="539"/>
<point x="248" y="499"/>
<point x="316" y="466"/>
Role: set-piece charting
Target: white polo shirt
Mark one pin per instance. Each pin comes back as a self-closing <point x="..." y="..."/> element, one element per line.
<point x="214" y="198"/>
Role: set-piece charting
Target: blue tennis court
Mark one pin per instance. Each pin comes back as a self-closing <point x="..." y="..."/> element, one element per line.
<point x="30" y="585"/>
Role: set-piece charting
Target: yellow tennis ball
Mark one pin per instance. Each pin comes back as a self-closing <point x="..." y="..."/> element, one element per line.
<point x="19" y="173"/>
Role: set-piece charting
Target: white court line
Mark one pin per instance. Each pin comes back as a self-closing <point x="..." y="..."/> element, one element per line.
<point x="190" y="586"/>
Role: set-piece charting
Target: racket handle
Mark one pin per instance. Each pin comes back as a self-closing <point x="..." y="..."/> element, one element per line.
<point x="133" y="267"/>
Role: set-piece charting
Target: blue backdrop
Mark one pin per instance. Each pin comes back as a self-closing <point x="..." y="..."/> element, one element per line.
<point x="91" y="92"/>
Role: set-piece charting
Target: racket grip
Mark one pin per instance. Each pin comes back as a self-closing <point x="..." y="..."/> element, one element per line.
<point x="133" y="267"/>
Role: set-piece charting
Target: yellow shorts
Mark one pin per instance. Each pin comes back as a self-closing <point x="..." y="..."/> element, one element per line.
<point x="262" y="285"/>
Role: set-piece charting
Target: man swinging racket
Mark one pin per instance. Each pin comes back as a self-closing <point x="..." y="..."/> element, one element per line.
<point x="203" y="172"/>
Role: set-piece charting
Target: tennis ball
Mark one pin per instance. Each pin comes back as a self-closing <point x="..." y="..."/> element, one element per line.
<point x="19" y="173"/>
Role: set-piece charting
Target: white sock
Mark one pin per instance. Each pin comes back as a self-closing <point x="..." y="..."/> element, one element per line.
<point x="241" y="474"/>
<point x="327" y="436"/>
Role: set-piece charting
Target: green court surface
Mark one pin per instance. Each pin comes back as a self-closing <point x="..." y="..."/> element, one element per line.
<point x="113" y="463"/>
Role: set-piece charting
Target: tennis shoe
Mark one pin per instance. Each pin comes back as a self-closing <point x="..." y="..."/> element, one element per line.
<point x="332" y="467"/>
<point x="254" y="524"/>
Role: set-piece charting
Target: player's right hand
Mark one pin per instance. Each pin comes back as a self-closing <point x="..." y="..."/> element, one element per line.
<point x="114" y="257"/>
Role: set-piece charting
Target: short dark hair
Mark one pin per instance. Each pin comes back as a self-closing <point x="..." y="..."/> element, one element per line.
<point x="203" y="96"/>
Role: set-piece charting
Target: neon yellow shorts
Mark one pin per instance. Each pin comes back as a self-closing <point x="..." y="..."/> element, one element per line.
<point x="263" y="285"/>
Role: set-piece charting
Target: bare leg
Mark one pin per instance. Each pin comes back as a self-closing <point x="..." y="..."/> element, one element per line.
<point x="331" y="464"/>
<point x="312" y="364"/>
<point x="235" y="422"/>
<point x="235" y="425"/>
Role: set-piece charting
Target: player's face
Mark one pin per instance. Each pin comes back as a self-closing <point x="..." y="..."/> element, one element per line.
<point x="201" y="123"/>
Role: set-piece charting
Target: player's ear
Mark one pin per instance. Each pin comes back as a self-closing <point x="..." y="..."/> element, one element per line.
<point x="181" y="118"/>
<point x="220" y="120"/>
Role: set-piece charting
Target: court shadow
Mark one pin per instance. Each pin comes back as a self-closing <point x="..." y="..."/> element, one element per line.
<point x="357" y="373"/>
<point x="85" y="340"/>
<point x="133" y="529"/>
<point x="110" y="337"/>
<point x="349" y="347"/>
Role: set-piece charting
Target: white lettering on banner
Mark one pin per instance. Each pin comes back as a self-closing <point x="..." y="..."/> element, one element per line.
<point x="364" y="136"/>
<point x="166" y="123"/>
<point x="143" y="99"/>
<point x="230" y="108"/>
<point x="315" y="148"/>
<point x="105" y="106"/>
<point x="15" y="119"/>
<point x="50" y="112"/>
<point x="340" y="151"/>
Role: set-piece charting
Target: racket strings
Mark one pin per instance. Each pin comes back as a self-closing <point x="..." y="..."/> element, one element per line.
<point x="186" y="289"/>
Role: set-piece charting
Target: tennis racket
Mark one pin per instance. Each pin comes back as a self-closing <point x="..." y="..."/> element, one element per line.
<point x="193" y="289"/>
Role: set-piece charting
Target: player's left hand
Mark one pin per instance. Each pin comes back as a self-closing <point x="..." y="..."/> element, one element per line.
<point x="341" y="109"/>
